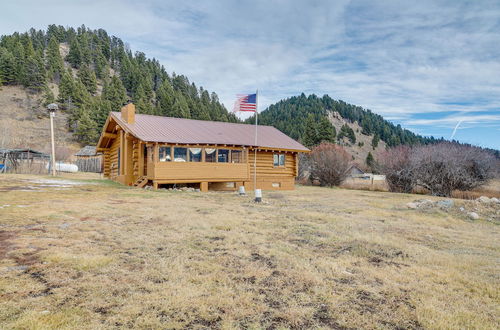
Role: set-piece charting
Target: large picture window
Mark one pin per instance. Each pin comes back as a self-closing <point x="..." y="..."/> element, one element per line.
<point x="223" y="156"/>
<point x="180" y="154"/>
<point x="195" y="154"/>
<point x="165" y="154"/>
<point x="210" y="155"/>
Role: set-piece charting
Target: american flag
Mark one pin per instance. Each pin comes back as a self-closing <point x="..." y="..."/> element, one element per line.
<point x="246" y="102"/>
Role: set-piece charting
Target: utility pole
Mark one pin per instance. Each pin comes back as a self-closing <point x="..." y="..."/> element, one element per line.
<point x="52" y="108"/>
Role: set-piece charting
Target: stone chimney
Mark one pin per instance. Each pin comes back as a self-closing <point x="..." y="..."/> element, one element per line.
<point x="128" y="113"/>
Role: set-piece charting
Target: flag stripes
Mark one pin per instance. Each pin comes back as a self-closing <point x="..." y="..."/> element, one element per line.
<point x="246" y="102"/>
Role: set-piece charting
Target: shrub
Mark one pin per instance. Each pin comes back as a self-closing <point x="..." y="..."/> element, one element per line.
<point x="439" y="168"/>
<point x="396" y="163"/>
<point x="329" y="164"/>
<point x="444" y="167"/>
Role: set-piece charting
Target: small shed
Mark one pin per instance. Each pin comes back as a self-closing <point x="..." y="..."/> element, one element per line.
<point x="22" y="160"/>
<point x="88" y="160"/>
<point x="356" y="172"/>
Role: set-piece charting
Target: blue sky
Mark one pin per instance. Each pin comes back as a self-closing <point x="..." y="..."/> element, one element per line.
<point x="427" y="65"/>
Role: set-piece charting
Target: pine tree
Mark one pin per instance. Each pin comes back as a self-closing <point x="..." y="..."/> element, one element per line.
<point x="369" y="160"/>
<point x="142" y="102"/>
<point x="86" y="131"/>
<point x="346" y="131"/>
<point x="8" y="73"/>
<point x="48" y="96"/>
<point x="35" y="73"/>
<point x="20" y="59"/>
<point x="102" y="113"/>
<point x="326" y="131"/>
<point x="74" y="56"/>
<point x="114" y="92"/>
<point x="88" y="78"/>
<point x="180" y="108"/>
<point x="66" y="89"/>
<point x="165" y="98"/>
<point x="101" y="65"/>
<point x="375" y="141"/>
<point x="55" y="64"/>
<point x="80" y="96"/>
<point x="310" y="137"/>
<point x="84" y="45"/>
<point x="29" y="50"/>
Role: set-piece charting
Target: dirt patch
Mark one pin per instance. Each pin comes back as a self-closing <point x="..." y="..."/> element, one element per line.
<point x="5" y="245"/>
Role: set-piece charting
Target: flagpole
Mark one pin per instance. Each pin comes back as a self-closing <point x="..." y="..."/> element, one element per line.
<point x="255" y="155"/>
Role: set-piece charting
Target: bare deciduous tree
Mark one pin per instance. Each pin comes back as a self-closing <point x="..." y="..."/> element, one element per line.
<point x="396" y="163"/>
<point x="330" y="164"/>
<point x="444" y="167"/>
<point x="304" y="168"/>
<point x="440" y="168"/>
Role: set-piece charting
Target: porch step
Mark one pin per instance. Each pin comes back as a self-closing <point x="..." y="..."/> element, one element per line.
<point x="141" y="182"/>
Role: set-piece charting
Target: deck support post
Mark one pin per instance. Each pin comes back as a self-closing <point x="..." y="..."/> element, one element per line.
<point x="155" y="185"/>
<point x="203" y="186"/>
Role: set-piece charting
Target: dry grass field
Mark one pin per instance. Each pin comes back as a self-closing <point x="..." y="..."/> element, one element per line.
<point x="98" y="255"/>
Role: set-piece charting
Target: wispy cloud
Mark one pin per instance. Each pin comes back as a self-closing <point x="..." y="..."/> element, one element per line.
<point x="400" y="59"/>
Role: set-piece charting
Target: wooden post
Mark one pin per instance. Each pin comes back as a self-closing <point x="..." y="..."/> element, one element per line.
<point x="155" y="185"/>
<point x="121" y="151"/>
<point x="125" y="155"/>
<point x="203" y="186"/>
<point x="140" y="160"/>
<point x="52" y="114"/>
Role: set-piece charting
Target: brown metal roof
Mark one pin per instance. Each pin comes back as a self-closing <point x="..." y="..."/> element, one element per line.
<point x="188" y="131"/>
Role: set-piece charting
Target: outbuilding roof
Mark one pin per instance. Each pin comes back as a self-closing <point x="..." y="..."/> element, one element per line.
<point x="87" y="151"/>
<point x="151" y="128"/>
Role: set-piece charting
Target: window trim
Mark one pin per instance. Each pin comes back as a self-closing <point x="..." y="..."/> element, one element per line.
<point x="277" y="157"/>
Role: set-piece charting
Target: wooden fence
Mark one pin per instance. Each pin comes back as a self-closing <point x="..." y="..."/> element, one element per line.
<point x="89" y="164"/>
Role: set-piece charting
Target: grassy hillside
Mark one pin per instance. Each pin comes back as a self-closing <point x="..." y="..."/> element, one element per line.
<point x="24" y="122"/>
<point x="101" y="255"/>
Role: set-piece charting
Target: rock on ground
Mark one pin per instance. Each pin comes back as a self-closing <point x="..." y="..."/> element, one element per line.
<point x="473" y="215"/>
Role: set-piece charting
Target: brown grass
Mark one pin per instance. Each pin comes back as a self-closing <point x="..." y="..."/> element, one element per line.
<point x="101" y="255"/>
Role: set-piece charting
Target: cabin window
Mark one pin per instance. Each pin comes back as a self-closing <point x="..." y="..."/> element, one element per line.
<point x="180" y="154"/>
<point x="210" y="155"/>
<point x="278" y="160"/>
<point x="282" y="159"/>
<point x="195" y="154"/>
<point x="223" y="156"/>
<point x="236" y="156"/>
<point x="165" y="154"/>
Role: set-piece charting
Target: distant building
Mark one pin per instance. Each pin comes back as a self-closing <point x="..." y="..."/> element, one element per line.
<point x="356" y="172"/>
<point x="143" y="149"/>
<point x="22" y="160"/>
<point x="88" y="160"/>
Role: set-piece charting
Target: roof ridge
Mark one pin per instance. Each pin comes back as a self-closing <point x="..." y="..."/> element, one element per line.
<point x="201" y="120"/>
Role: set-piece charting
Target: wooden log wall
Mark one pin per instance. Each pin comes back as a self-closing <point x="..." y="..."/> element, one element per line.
<point x="272" y="177"/>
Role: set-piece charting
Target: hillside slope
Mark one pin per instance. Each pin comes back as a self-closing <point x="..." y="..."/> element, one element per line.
<point x="24" y="122"/>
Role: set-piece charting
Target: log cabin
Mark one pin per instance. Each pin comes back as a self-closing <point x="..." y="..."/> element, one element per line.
<point x="142" y="150"/>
